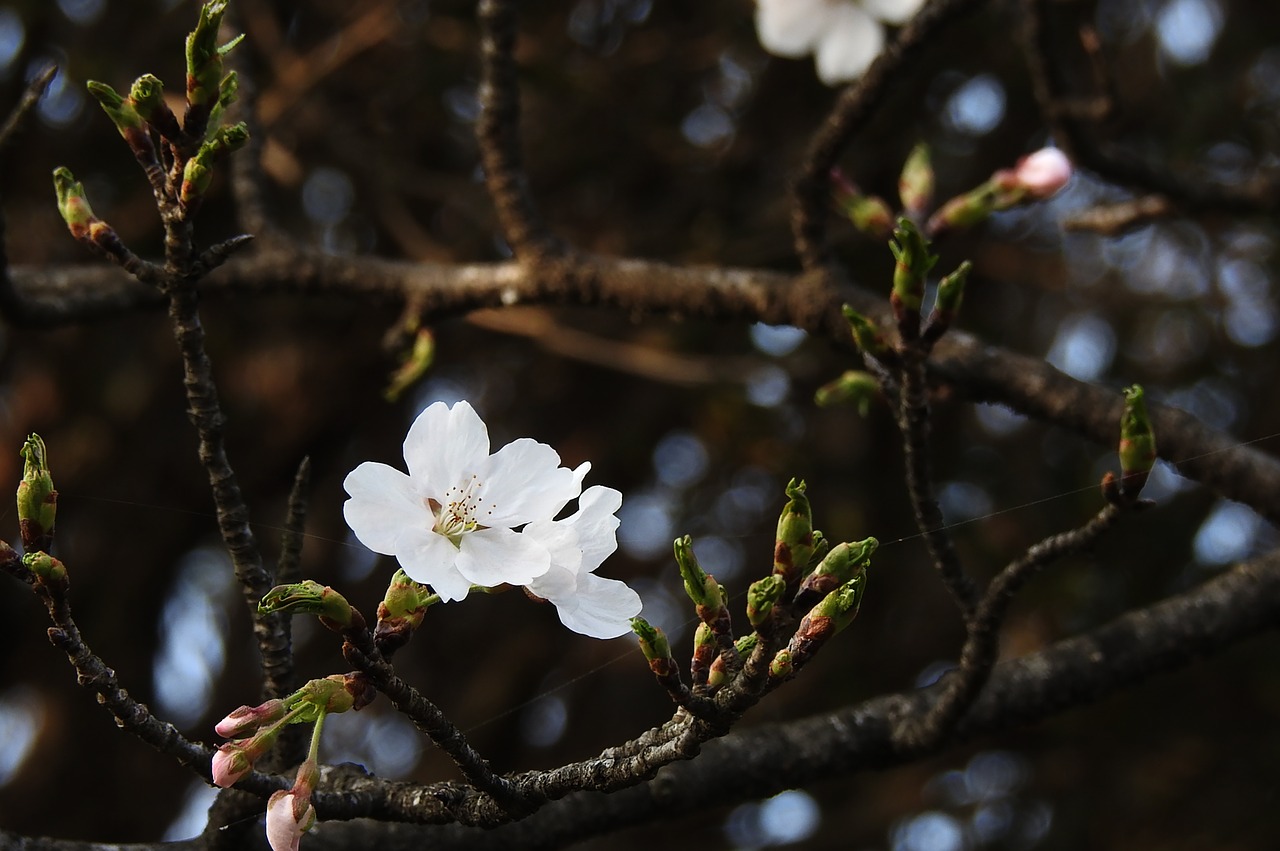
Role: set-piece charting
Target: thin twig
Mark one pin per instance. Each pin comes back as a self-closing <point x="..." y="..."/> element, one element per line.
<point x="247" y="179"/>
<point x="11" y="302"/>
<point x="981" y="647"/>
<point x="360" y="651"/>
<point x="30" y="97"/>
<point x="913" y="423"/>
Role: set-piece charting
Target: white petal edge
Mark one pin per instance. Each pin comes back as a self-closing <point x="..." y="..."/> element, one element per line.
<point x="596" y="524"/>
<point x="444" y="445"/>
<point x="599" y="607"/>
<point x="383" y="504"/>
<point x="432" y="560"/>
<point x="523" y="481"/>
<point x="491" y="557"/>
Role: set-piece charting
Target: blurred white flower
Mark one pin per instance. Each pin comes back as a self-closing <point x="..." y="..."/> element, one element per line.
<point x="843" y="35"/>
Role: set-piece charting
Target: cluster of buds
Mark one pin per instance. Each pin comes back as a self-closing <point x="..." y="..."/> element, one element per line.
<point x="1034" y="178"/>
<point x="289" y="812"/>
<point x="808" y="574"/>
<point x="177" y="156"/>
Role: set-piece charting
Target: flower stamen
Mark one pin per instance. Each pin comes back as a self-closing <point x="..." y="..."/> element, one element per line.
<point x="458" y="515"/>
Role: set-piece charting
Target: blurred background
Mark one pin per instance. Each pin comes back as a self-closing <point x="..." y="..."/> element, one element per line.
<point x="658" y="130"/>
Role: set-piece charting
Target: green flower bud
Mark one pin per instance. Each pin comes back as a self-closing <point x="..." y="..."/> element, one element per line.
<point x="836" y="611"/>
<point x="842" y="604"/>
<point x="705" y="652"/>
<point x="308" y="598"/>
<point x="329" y="695"/>
<point x="401" y="612"/>
<point x="947" y="303"/>
<point x="746" y="643"/>
<point x="853" y="387"/>
<point x="196" y="177"/>
<point x="762" y="595"/>
<point x="147" y="97"/>
<point x="414" y="366"/>
<point x="120" y="110"/>
<point x="915" y="184"/>
<point x="951" y="289"/>
<point x="698" y="584"/>
<point x="967" y="210"/>
<point x="228" y="90"/>
<point x="782" y="666"/>
<point x="911" y="250"/>
<point x="654" y="646"/>
<point x="204" y="57"/>
<point x="866" y="334"/>
<point x="73" y="205"/>
<point x="1137" y="441"/>
<point x="842" y="564"/>
<point x="37" y="499"/>
<point x="820" y="548"/>
<point x="48" y="570"/>
<point x="793" y="544"/>
<point x="868" y="213"/>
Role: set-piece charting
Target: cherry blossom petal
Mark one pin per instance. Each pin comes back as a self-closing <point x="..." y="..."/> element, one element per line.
<point x="523" y="481"/>
<point x="598" y="607"/>
<point x="561" y="539"/>
<point x="383" y="503"/>
<point x="444" y="445"/>
<point x="892" y="11"/>
<point x="491" y="557"/>
<point x="791" y="27"/>
<point x="432" y="560"/>
<point x="851" y="42"/>
<point x="284" y="827"/>
<point x="596" y="525"/>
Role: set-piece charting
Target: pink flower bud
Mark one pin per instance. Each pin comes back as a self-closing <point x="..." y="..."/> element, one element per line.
<point x="1043" y="173"/>
<point x="288" y="817"/>
<point x="247" y="719"/>
<point x="230" y="763"/>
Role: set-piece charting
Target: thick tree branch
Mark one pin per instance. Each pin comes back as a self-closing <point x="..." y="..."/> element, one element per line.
<point x="976" y="371"/>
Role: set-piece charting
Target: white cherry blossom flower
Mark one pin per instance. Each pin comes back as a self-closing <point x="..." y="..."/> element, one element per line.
<point x="463" y="517"/>
<point x="844" y="36"/>
<point x="453" y="521"/>
<point x="586" y="603"/>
